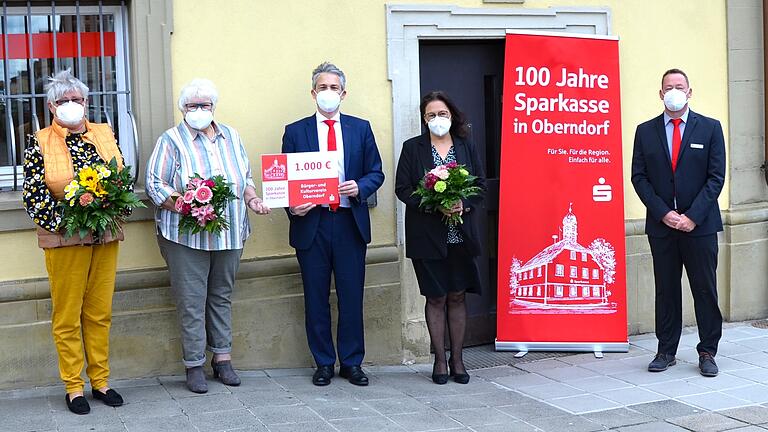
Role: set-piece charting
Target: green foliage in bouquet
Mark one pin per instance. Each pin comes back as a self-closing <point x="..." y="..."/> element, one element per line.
<point x="99" y="198"/>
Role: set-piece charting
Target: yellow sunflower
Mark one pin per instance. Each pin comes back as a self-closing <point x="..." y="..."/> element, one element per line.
<point x="98" y="190"/>
<point x="89" y="178"/>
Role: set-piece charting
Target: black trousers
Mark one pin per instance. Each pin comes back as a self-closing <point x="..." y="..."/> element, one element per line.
<point x="698" y="254"/>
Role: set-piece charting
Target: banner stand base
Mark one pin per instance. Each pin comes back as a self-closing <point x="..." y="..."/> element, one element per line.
<point x="598" y="348"/>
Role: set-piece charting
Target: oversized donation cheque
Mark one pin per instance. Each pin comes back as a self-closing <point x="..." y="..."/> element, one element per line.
<point x="291" y="179"/>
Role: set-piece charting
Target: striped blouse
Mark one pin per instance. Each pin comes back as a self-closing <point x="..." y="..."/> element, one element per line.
<point x="182" y="152"/>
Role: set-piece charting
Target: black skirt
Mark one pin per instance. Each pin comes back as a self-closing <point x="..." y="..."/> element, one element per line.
<point x="457" y="272"/>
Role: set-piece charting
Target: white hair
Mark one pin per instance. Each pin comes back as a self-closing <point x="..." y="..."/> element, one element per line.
<point x="64" y="82"/>
<point x="198" y="88"/>
<point x="328" y="67"/>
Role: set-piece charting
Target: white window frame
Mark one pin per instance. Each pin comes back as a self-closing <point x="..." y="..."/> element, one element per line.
<point x="126" y="138"/>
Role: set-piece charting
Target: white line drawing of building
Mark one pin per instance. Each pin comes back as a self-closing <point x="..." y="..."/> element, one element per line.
<point x="565" y="277"/>
<point x="276" y="171"/>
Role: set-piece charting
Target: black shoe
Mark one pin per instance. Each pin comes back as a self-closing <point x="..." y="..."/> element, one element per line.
<point x="707" y="365"/>
<point x="354" y="374"/>
<point x="196" y="380"/>
<point x="224" y="372"/>
<point x="110" y="398"/>
<point x="78" y="405"/>
<point x="438" y="378"/>
<point x="323" y="375"/>
<point x="461" y="378"/>
<point x="661" y="362"/>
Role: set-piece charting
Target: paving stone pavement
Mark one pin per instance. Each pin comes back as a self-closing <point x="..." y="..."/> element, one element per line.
<point x="561" y="394"/>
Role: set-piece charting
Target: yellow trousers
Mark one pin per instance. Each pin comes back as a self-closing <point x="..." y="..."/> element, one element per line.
<point x="82" y="280"/>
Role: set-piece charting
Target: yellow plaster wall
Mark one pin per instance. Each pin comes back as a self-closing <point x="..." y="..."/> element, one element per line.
<point x="286" y="39"/>
<point x="261" y="54"/>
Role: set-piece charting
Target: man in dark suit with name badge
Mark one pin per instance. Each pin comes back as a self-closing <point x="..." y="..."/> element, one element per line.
<point x="678" y="170"/>
<point x="333" y="239"/>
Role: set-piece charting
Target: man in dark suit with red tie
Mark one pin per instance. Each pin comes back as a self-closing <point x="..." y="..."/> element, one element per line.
<point x="678" y="170"/>
<point x="334" y="238"/>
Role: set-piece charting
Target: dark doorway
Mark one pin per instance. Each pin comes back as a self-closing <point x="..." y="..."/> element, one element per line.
<point x="472" y="73"/>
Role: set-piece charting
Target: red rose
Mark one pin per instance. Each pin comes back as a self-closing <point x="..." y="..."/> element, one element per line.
<point x="430" y="180"/>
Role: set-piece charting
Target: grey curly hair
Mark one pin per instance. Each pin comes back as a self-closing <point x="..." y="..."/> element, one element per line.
<point x="62" y="83"/>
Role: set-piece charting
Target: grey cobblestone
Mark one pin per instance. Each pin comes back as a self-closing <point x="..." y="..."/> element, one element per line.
<point x="564" y="393"/>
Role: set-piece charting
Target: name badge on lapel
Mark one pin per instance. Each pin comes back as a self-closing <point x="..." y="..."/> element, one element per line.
<point x="697" y="146"/>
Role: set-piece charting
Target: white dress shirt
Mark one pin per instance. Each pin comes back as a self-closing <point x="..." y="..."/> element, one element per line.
<point x="669" y="127"/>
<point x="322" y="140"/>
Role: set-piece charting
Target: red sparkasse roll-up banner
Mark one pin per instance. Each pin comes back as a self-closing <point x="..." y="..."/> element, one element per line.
<point x="562" y="281"/>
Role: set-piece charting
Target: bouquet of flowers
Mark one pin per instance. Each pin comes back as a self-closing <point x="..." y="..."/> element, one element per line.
<point x="202" y="205"/>
<point x="444" y="186"/>
<point x="98" y="199"/>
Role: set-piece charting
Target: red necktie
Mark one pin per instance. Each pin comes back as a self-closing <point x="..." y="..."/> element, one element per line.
<point x="676" y="141"/>
<point x="331" y="147"/>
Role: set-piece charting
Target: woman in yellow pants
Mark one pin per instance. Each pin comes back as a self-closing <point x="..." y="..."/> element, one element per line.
<point x="81" y="272"/>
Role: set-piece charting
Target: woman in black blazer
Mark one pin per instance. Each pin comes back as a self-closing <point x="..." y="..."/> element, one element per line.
<point x="443" y="257"/>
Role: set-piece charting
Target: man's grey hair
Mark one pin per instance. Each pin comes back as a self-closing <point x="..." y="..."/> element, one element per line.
<point x="64" y="82"/>
<point x="328" y="67"/>
<point x="198" y="88"/>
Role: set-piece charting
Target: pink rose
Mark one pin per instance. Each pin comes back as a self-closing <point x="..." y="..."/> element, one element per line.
<point x="203" y="194"/>
<point x="86" y="199"/>
<point x="189" y="196"/>
<point x="179" y="204"/>
<point x="440" y="172"/>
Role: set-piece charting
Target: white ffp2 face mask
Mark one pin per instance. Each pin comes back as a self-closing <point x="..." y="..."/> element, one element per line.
<point x="70" y="113"/>
<point x="328" y="100"/>
<point x="199" y="119"/>
<point x="439" y="126"/>
<point x="675" y="99"/>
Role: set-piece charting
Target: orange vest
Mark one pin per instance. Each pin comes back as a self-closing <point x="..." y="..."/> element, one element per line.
<point x="57" y="160"/>
<point x="59" y="172"/>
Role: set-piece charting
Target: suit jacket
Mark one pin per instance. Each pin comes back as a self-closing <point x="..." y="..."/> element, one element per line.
<point x="426" y="234"/>
<point x="696" y="183"/>
<point x="362" y="163"/>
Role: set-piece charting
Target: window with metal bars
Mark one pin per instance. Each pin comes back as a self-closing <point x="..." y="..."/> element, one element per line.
<point x="38" y="39"/>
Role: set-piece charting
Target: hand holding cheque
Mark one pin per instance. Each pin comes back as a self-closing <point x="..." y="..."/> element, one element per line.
<point x="302" y="181"/>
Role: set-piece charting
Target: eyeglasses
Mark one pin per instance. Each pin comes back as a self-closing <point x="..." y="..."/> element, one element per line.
<point x="61" y="102"/>
<point x="195" y="106"/>
<point x="431" y="116"/>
